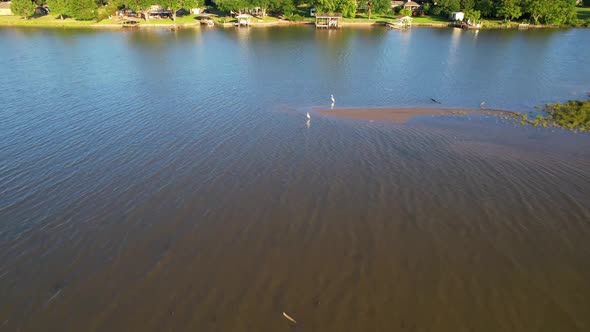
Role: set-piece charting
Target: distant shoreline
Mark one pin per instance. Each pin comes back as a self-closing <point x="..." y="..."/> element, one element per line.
<point x="71" y="24"/>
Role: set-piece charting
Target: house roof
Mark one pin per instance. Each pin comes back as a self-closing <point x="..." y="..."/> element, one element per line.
<point x="5" y="5"/>
<point x="411" y="4"/>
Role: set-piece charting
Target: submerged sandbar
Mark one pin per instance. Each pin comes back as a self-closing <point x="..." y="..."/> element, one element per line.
<point x="400" y="114"/>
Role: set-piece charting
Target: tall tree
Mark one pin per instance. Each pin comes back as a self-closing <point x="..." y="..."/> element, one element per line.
<point x="140" y="6"/>
<point x="473" y="16"/>
<point x="60" y="8"/>
<point x="346" y="7"/>
<point x="285" y="7"/>
<point x="508" y="9"/>
<point x="449" y="6"/>
<point x="228" y="5"/>
<point x="560" y="12"/>
<point x="175" y="5"/>
<point x="376" y="6"/>
<point x="536" y="9"/>
<point x="485" y="7"/>
<point x="263" y="4"/>
<point x="467" y="5"/>
<point x="24" y="8"/>
<point x="324" y="6"/>
<point x="82" y="9"/>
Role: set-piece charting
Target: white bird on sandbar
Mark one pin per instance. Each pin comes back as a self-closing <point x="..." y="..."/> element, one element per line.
<point x="333" y="100"/>
<point x="308" y="117"/>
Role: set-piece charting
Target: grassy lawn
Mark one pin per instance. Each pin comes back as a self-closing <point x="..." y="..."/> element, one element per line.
<point x="179" y="20"/>
<point x="492" y="23"/>
<point x="50" y="21"/>
<point x="428" y="19"/>
<point x="362" y="17"/>
<point x="266" y="19"/>
<point x="41" y="21"/>
<point x="583" y="13"/>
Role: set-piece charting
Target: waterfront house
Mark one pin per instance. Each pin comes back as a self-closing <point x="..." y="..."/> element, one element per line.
<point x="395" y="4"/>
<point x="415" y="7"/>
<point x="125" y="12"/>
<point x="157" y="11"/>
<point x="5" y="8"/>
<point x="411" y="5"/>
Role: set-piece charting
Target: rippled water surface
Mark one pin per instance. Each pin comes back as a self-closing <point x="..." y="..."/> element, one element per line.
<point x="168" y="181"/>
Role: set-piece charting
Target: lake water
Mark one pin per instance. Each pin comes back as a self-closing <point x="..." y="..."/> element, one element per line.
<point x="168" y="181"/>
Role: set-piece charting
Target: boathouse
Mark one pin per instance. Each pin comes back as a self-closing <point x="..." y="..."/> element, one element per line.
<point x="328" y="21"/>
<point x="243" y="20"/>
<point x="401" y="22"/>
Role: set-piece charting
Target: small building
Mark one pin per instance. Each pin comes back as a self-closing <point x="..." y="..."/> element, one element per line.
<point x="5" y="8"/>
<point x="457" y="16"/>
<point x="411" y="5"/>
<point x="328" y="21"/>
<point x="125" y="12"/>
<point x="243" y="20"/>
<point x="157" y="11"/>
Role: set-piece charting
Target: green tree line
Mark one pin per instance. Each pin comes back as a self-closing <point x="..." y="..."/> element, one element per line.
<point x="554" y="12"/>
<point x="89" y="9"/>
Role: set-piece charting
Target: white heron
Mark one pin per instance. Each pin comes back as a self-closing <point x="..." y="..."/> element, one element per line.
<point x="308" y="117"/>
<point x="333" y="100"/>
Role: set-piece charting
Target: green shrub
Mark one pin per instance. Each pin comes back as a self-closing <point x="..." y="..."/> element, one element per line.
<point x="24" y="8"/>
<point x="406" y="12"/>
<point x="574" y="114"/>
<point x="295" y="18"/>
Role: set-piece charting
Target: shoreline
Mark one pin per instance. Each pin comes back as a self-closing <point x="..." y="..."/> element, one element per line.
<point x="403" y="114"/>
<point x="277" y="23"/>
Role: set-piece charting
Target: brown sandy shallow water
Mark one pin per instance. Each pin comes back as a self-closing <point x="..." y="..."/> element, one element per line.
<point x="401" y="115"/>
